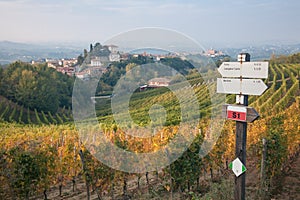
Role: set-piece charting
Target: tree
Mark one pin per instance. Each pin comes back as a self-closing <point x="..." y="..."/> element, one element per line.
<point x="80" y="59"/>
<point x="26" y="88"/>
<point x="47" y="95"/>
<point x="36" y="87"/>
<point x="130" y="66"/>
<point x="97" y="45"/>
<point x="85" y="53"/>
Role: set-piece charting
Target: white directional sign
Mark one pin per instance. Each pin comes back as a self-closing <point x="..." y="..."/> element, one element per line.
<point x="237" y="167"/>
<point x="241" y="86"/>
<point x="244" y="70"/>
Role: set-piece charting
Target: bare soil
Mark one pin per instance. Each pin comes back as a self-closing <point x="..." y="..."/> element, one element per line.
<point x="290" y="184"/>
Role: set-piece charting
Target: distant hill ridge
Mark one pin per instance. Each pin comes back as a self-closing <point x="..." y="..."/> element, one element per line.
<point x="13" y="51"/>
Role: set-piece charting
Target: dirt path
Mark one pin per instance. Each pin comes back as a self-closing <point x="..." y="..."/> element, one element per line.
<point x="291" y="183"/>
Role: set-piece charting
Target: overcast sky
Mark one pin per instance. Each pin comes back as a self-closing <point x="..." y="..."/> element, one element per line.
<point x="218" y="22"/>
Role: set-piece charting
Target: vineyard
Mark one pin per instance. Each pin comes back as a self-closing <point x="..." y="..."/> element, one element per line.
<point x="12" y="112"/>
<point x="47" y="160"/>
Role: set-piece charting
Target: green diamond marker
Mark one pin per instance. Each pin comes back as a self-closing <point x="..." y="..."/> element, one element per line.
<point x="230" y="165"/>
<point x="237" y="167"/>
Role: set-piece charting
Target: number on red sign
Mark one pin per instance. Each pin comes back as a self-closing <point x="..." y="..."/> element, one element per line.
<point x="236" y="115"/>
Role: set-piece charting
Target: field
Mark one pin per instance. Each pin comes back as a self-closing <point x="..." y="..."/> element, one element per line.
<point x="42" y="157"/>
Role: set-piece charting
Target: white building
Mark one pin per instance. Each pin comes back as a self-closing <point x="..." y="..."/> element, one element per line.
<point x="112" y="48"/>
<point x="159" y="82"/>
<point x="114" y="57"/>
<point x="96" y="62"/>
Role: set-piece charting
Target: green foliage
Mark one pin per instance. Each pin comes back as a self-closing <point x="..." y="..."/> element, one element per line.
<point x="38" y="164"/>
<point x="117" y="69"/>
<point x="25" y="171"/>
<point x="288" y="97"/>
<point x="45" y="119"/>
<point x="4" y="112"/>
<point x="65" y="118"/>
<point x="60" y="120"/>
<point x="36" y="87"/>
<point x="181" y="66"/>
<point x="218" y="191"/>
<point x="276" y="147"/>
<point x="12" y="115"/>
<point x="37" y="117"/>
<point x="261" y="99"/>
<point x="185" y="170"/>
<point x="99" y="50"/>
<point x="20" y="120"/>
<point x="282" y="59"/>
<point x="85" y="53"/>
<point x="53" y="120"/>
<point x="130" y="66"/>
<point x="98" y="175"/>
<point x="277" y="95"/>
<point x="80" y="59"/>
<point x="46" y="162"/>
<point x="28" y="116"/>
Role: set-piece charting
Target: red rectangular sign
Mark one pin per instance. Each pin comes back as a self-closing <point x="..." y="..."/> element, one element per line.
<point x="236" y="113"/>
<point x="238" y="116"/>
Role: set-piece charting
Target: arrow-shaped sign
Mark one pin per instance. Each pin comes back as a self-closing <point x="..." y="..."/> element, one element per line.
<point x="244" y="70"/>
<point x="241" y="86"/>
<point x="250" y="113"/>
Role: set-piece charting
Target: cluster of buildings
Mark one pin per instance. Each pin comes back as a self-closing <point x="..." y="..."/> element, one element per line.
<point x="213" y="53"/>
<point x="65" y="66"/>
<point x="96" y="62"/>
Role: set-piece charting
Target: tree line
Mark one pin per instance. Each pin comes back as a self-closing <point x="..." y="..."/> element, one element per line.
<point x="286" y="59"/>
<point x="36" y="86"/>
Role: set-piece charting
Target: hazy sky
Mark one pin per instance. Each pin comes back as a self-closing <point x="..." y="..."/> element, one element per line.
<point x="219" y="22"/>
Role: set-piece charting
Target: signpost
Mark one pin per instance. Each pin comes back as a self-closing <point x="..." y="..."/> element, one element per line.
<point x="239" y="80"/>
<point x="228" y="113"/>
<point x="241" y="86"/>
<point x="237" y="113"/>
<point x="245" y="70"/>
